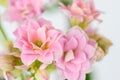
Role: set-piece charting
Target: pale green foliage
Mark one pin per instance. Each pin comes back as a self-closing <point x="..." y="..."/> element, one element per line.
<point x="4" y="3"/>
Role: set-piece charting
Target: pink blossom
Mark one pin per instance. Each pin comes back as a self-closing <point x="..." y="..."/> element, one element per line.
<point x="84" y="10"/>
<point x="78" y="51"/>
<point x="38" y="41"/>
<point x="21" y="10"/>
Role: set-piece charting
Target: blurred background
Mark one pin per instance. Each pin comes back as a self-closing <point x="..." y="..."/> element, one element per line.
<point x="109" y="67"/>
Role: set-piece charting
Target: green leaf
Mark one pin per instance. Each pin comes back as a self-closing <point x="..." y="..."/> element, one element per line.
<point x="50" y="68"/>
<point x="3" y="32"/>
<point x="35" y="65"/>
<point x="66" y="2"/>
<point x="76" y="22"/>
<point x="89" y="76"/>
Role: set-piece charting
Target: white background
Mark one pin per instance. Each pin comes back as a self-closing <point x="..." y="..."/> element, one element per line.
<point x="109" y="67"/>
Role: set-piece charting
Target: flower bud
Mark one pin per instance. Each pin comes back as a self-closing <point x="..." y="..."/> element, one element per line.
<point x="7" y="62"/>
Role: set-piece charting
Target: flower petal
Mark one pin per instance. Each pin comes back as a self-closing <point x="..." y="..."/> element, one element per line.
<point x="28" y="58"/>
<point x="69" y="56"/>
<point x="89" y="50"/>
<point x="71" y="44"/>
<point x="57" y="51"/>
<point x="41" y="34"/>
<point x="47" y="59"/>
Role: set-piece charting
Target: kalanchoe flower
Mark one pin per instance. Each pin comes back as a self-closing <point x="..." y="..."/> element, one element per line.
<point x="82" y="11"/>
<point x="21" y="10"/>
<point x="78" y="51"/>
<point x="38" y="40"/>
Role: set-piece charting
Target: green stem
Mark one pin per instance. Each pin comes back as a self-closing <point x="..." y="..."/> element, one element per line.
<point x="89" y="76"/>
<point x="3" y="32"/>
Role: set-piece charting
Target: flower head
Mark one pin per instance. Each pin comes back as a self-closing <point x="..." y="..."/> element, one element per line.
<point x="83" y="10"/>
<point x="21" y="10"/>
<point x="78" y="51"/>
<point x="38" y="41"/>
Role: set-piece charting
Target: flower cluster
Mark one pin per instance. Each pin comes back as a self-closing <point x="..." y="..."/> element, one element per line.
<point x="22" y="10"/>
<point x="83" y="10"/>
<point x="40" y="48"/>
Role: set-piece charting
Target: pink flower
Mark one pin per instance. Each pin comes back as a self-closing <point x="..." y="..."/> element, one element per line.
<point x="38" y="41"/>
<point x="21" y="10"/>
<point x="84" y="10"/>
<point x="78" y="51"/>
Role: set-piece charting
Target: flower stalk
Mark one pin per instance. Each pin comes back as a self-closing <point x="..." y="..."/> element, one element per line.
<point x="3" y="32"/>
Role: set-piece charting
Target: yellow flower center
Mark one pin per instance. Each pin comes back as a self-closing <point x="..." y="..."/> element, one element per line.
<point x="41" y="45"/>
<point x="38" y="43"/>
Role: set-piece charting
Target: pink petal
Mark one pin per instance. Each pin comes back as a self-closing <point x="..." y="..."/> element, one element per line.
<point x="32" y="24"/>
<point x="79" y="57"/>
<point x="69" y="56"/>
<point x="76" y="10"/>
<point x="37" y="4"/>
<point x="82" y="76"/>
<point x="52" y="32"/>
<point x="75" y="31"/>
<point x="72" y="67"/>
<point x="89" y="50"/>
<point x="41" y="33"/>
<point x="85" y="67"/>
<point x="17" y="32"/>
<point x="27" y="49"/>
<point x="60" y="64"/>
<point x="71" y="44"/>
<point x="28" y="58"/>
<point x="42" y="22"/>
<point x="93" y="43"/>
<point x="32" y="35"/>
<point x="71" y="75"/>
<point x="46" y="59"/>
<point x="82" y="42"/>
<point x="57" y="50"/>
<point x="90" y="31"/>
